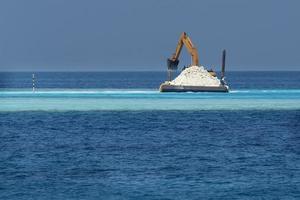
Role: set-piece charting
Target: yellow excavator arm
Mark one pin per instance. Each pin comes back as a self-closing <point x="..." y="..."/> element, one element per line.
<point x="183" y="40"/>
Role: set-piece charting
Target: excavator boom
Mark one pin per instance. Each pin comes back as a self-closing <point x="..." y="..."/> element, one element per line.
<point x="183" y="40"/>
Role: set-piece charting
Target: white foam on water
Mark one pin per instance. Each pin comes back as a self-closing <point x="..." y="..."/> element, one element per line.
<point x="70" y="91"/>
<point x="135" y="91"/>
<point x="130" y="92"/>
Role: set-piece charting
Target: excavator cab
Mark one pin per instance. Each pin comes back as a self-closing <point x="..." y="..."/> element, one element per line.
<point x="172" y="64"/>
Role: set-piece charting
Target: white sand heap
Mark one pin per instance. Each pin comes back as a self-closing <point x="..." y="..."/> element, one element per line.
<point x="195" y="76"/>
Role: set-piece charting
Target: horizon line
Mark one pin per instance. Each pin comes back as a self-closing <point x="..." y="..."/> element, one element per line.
<point x="71" y="71"/>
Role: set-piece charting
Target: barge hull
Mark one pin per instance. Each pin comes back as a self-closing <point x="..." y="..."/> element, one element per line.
<point x="177" y="88"/>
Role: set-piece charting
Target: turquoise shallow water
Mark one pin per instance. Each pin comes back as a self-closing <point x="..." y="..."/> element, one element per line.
<point x="146" y="99"/>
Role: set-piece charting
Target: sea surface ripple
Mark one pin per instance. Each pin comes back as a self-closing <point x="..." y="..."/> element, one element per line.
<point x="150" y="155"/>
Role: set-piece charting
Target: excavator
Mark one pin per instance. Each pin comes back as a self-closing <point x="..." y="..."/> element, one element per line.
<point x="172" y="64"/>
<point x="173" y="61"/>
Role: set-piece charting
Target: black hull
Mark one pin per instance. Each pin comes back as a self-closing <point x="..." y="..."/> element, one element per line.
<point x="174" y="88"/>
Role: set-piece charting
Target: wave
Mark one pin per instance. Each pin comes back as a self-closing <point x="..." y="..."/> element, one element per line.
<point x="78" y="91"/>
<point x="266" y="91"/>
<point x="134" y="91"/>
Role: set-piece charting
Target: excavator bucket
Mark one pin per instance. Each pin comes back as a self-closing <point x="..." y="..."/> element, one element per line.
<point x="172" y="65"/>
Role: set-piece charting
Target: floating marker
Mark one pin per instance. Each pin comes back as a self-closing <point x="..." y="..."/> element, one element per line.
<point x="33" y="83"/>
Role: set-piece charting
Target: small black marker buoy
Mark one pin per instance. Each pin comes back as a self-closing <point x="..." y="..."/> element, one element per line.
<point x="33" y="83"/>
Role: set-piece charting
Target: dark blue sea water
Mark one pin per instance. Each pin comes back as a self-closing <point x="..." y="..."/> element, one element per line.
<point x="149" y="154"/>
<point x="141" y="80"/>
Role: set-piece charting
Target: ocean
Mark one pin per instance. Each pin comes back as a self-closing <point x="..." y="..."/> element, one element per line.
<point x="112" y="135"/>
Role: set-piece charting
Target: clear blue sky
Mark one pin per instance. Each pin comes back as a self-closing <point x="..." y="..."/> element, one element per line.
<point x="72" y="35"/>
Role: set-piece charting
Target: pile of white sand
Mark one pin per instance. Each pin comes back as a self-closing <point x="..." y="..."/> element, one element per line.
<point x="195" y="76"/>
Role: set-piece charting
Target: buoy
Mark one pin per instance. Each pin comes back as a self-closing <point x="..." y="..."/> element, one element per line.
<point x="33" y="83"/>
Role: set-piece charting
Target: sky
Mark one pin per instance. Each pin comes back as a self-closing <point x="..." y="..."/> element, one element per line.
<point x="126" y="35"/>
